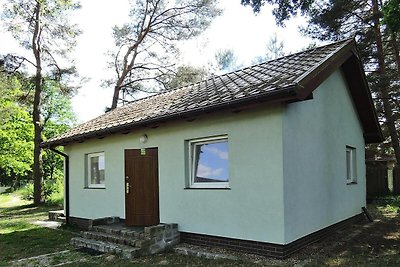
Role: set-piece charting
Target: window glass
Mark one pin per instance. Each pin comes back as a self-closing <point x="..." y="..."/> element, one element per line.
<point x="96" y="170"/>
<point x="348" y="164"/>
<point x="212" y="163"/>
<point x="351" y="163"/>
<point x="209" y="162"/>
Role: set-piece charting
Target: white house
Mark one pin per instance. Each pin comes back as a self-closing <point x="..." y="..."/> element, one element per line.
<point x="265" y="159"/>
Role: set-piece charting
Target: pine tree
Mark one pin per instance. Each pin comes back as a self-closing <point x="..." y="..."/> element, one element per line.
<point x="146" y="46"/>
<point x="42" y="27"/>
<point x="378" y="43"/>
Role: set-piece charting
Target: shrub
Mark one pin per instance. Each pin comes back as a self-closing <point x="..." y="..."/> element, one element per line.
<point x="49" y="187"/>
<point x="52" y="192"/>
<point x="56" y="198"/>
<point x="26" y="191"/>
<point x="391" y="203"/>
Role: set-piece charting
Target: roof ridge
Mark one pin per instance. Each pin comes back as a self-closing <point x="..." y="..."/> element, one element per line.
<point x="289" y="55"/>
<point x="324" y="59"/>
<point x="318" y="47"/>
<point x="225" y="74"/>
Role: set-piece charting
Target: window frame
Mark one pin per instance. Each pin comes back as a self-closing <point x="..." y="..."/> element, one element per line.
<point x="352" y="164"/>
<point x="205" y="185"/>
<point x="89" y="184"/>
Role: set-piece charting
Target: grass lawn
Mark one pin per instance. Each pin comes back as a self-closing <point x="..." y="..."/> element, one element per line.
<point x="19" y="237"/>
<point x="366" y="244"/>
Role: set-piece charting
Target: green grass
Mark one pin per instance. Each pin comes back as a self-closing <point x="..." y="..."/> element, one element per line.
<point x="32" y="242"/>
<point x="376" y="244"/>
<point x="19" y="237"/>
<point x="8" y="200"/>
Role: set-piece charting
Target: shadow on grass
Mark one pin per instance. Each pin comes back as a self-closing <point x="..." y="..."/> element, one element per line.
<point x="14" y="225"/>
<point x="25" y="210"/>
<point x="22" y="244"/>
<point x="17" y="208"/>
<point x="376" y="244"/>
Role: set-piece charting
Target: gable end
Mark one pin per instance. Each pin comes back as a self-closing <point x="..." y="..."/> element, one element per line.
<point x="362" y="100"/>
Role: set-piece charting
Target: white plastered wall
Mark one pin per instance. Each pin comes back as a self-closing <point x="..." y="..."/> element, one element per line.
<point x="316" y="133"/>
<point x="251" y="209"/>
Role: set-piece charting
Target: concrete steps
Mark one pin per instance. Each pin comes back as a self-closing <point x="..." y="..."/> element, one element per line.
<point x="128" y="242"/>
<point x="120" y="230"/>
<point x="109" y="238"/>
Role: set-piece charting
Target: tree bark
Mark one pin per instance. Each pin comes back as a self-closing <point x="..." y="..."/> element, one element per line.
<point x="37" y="152"/>
<point x="128" y="66"/>
<point x="120" y="81"/>
<point x="115" y="98"/>
<point x="384" y="84"/>
<point x="395" y="50"/>
<point x="117" y="89"/>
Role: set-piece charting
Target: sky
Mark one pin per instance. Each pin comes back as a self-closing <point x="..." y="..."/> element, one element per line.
<point x="237" y="29"/>
<point x="213" y="161"/>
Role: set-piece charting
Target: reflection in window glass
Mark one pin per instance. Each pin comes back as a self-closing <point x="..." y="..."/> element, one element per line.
<point x="96" y="170"/>
<point x="351" y="163"/>
<point x="210" y="162"/>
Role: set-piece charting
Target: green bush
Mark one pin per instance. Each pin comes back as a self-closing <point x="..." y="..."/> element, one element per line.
<point x="56" y="198"/>
<point x="49" y="188"/>
<point x="52" y="192"/>
<point x="26" y="192"/>
<point x="390" y="202"/>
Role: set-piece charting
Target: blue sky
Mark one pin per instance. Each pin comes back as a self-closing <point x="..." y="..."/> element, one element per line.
<point x="214" y="161"/>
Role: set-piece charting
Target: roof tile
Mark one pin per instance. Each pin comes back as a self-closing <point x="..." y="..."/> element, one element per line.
<point x="235" y="86"/>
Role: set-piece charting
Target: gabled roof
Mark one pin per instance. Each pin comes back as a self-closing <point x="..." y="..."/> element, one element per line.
<point x="289" y="78"/>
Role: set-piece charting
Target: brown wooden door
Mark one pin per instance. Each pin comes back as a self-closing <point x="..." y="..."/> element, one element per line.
<point x="141" y="187"/>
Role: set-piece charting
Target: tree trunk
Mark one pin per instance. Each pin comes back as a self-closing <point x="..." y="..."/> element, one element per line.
<point x="118" y="87"/>
<point x="37" y="152"/>
<point x="384" y="84"/>
<point x="115" y="97"/>
<point x="395" y="50"/>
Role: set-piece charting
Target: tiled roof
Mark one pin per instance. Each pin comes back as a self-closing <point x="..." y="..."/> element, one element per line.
<point x="280" y="79"/>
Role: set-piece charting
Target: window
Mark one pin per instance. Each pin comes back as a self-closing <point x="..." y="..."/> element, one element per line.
<point x="351" y="163"/>
<point x="95" y="170"/>
<point x="209" y="163"/>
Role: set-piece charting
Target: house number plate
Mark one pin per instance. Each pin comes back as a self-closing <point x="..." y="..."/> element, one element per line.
<point x="143" y="151"/>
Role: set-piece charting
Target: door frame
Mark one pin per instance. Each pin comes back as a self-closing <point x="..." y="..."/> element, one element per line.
<point x="132" y="219"/>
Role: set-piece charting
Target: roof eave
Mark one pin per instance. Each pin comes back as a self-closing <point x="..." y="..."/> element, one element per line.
<point x="371" y="138"/>
<point x="362" y="99"/>
<point x="346" y="58"/>
<point x="310" y="80"/>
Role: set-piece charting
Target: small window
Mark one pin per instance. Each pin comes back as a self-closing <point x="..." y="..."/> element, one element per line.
<point x="351" y="163"/>
<point x="95" y="170"/>
<point x="209" y="163"/>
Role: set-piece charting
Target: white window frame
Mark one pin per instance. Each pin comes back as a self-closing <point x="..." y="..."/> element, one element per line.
<point x="352" y="165"/>
<point x="89" y="170"/>
<point x="192" y="162"/>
